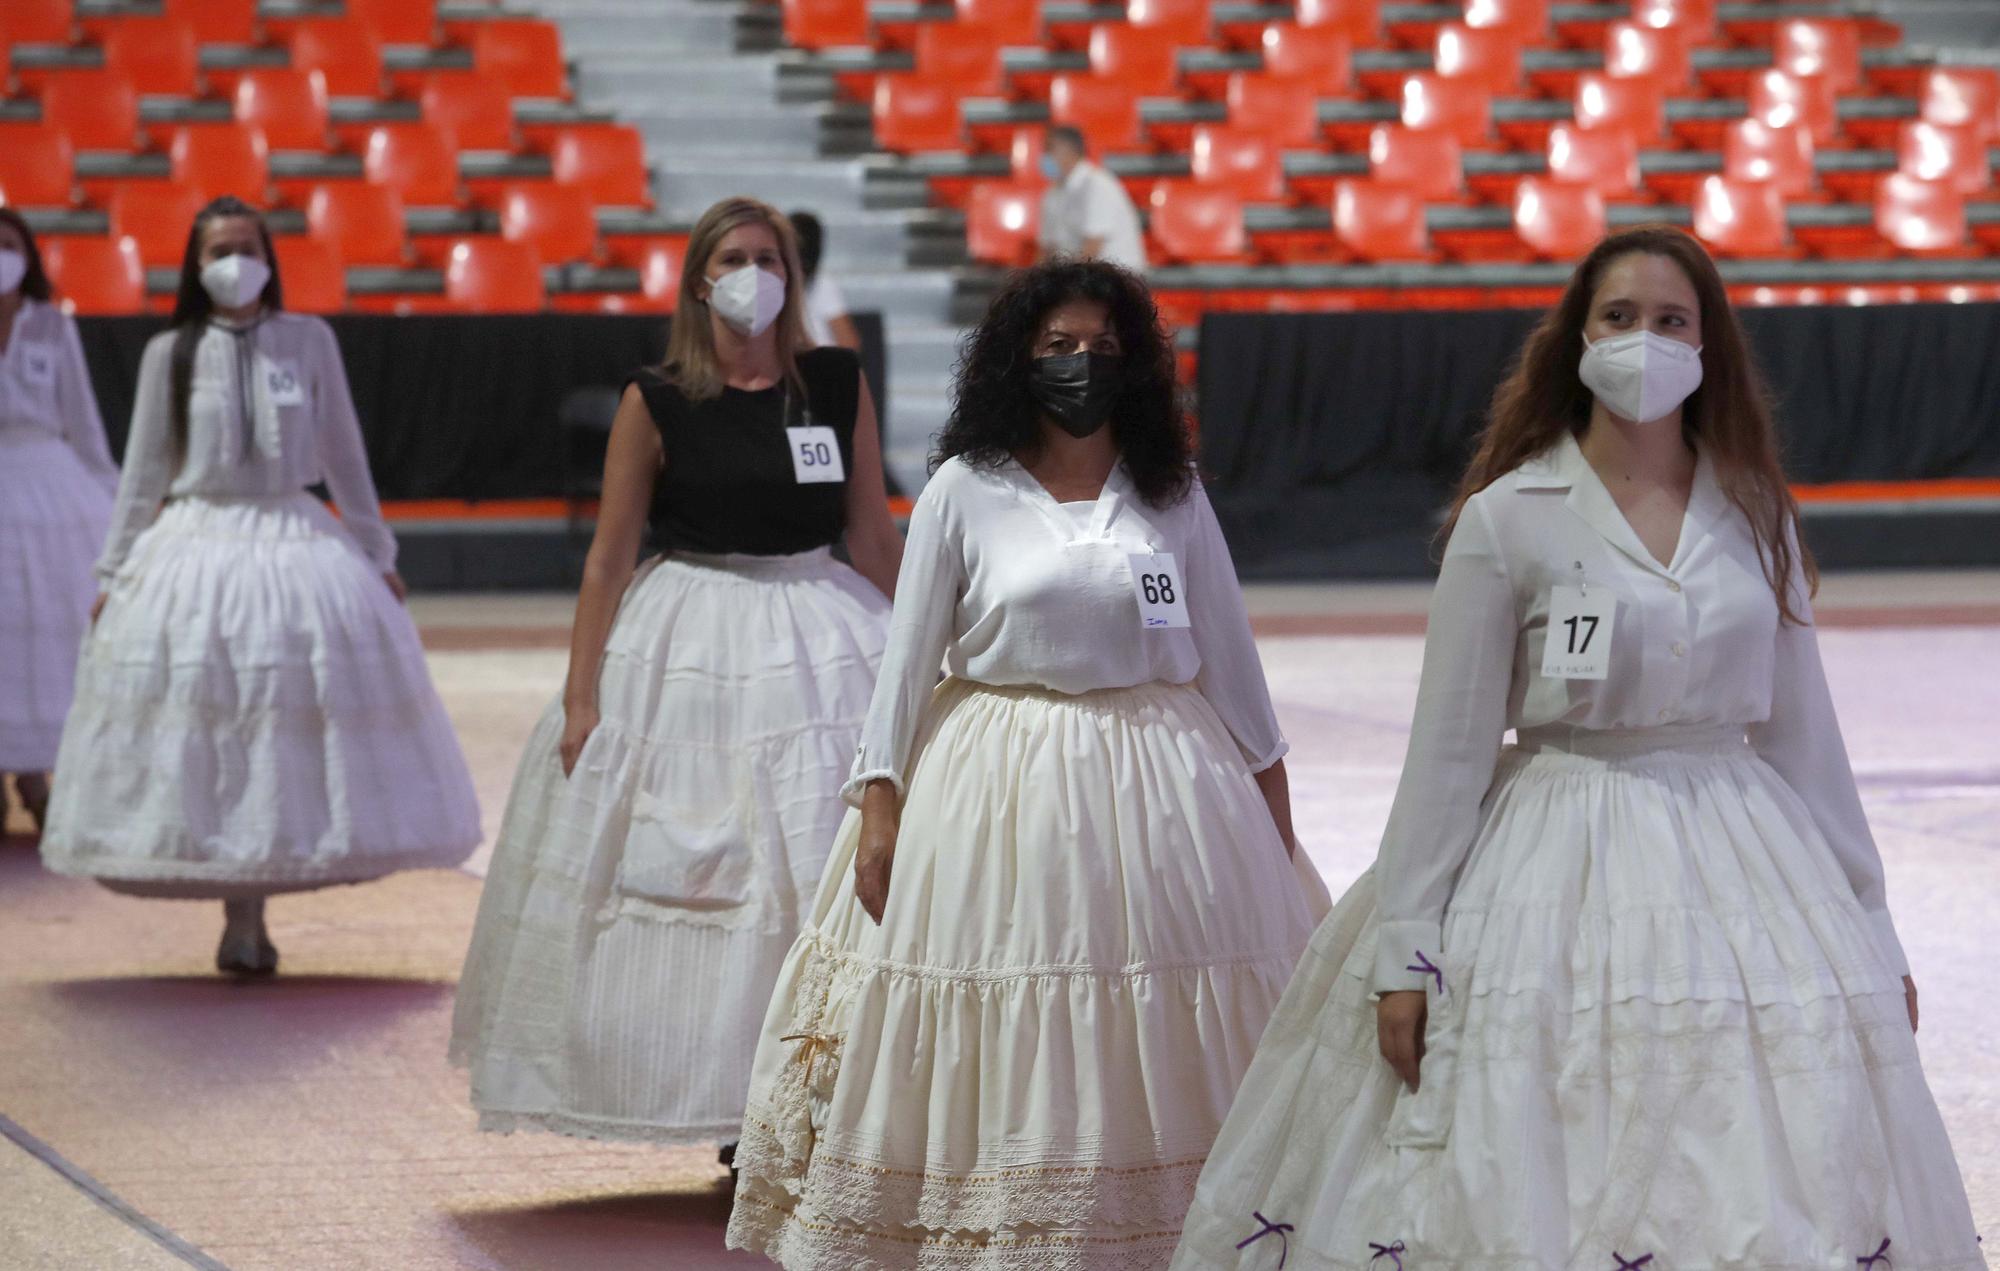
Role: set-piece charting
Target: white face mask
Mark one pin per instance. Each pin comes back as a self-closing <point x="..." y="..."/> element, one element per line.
<point x="234" y="281"/>
<point x="1641" y="376"/>
<point x="749" y="299"/>
<point x="13" y="268"/>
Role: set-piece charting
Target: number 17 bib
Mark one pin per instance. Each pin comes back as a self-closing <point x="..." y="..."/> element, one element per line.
<point x="1579" y="635"/>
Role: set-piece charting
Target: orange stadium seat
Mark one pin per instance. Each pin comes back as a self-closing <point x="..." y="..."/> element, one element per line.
<point x="415" y="161"/>
<point x="1634" y="104"/>
<point x="659" y="261"/>
<point x="156" y="216"/>
<point x="1694" y="18"/>
<point x="913" y="113"/>
<point x="1106" y="114"/>
<point x="1780" y="97"/>
<point x="1320" y="56"/>
<point x="216" y="21"/>
<point x="494" y="275"/>
<point x="1490" y="57"/>
<point x="1782" y="154"/>
<point x="1633" y="50"/>
<point x="1248" y="163"/>
<point x="1740" y="218"/>
<point x="1427" y="160"/>
<point x="1829" y="47"/>
<point x="314" y="279"/>
<point x="1003" y="223"/>
<point x="558" y="221"/>
<point x="289" y="106"/>
<point x="96" y="275"/>
<point x="606" y="161"/>
<point x="37" y="165"/>
<point x="346" y="53"/>
<point x="223" y="159"/>
<point x="820" y="24"/>
<point x="1285" y="110"/>
<point x="1606" y="159"/>
<point x="964" y="55"/>
<point x="1024" y="156"/>
<point x="1964" y="95"/>
<point x="97" y="110"/>
<point x="363" y="223"/>
<point x="1919" y="216"/>
<point x="37" y="22"/>
<point x="1187" y="22"/>
<point x="1952" y="153"/>
<point x="1461" y="107"/>
<point x="1359" y="20"/>
<point x="1526" y="20"/>
<point x="1378" y="221"/>
<point x="474" y="112"/>
<point x="1016" y="22"/>
<point x="1559" y="220"/>
<point x="159" y="55"/>
<point x="397" y="21"/>
<point x="525" y="55"/>
<point x="1140" y="59"/>
<point x="1198" y="223"/>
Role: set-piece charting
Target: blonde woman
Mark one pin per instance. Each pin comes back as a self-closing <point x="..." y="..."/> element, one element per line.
<point x="672" y="811"/>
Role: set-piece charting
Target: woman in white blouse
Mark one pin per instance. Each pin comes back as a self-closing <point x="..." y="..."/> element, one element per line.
<point x="56" y="480"/>
<point x="1047" y="941"/>
<point x="1625" y="992"/>
<point x="253" y="714"/>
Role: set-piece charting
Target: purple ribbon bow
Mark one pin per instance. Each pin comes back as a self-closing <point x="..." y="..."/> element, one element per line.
<point x="1881" y="1255"/>
<point x="1623" y="1265"/>
<point x="1392" y="1252"/>
<point x="1269" y="1228"/>
<point x="1424" y="965"/>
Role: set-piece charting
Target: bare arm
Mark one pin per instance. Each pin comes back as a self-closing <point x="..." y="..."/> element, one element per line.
<point x="632" y="462"/>
<point x="1277" y="792"/>
<point x="872" y="541"/>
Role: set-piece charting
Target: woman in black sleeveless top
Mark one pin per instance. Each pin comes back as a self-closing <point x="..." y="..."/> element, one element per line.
<point x="673" y="809"/>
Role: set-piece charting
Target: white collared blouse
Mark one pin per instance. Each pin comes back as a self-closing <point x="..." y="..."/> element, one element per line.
<point x="45" y="387"/>
<point x="1696" y="641"/>
<point x="1006" y="586"/>
<point x="270" y="413"/>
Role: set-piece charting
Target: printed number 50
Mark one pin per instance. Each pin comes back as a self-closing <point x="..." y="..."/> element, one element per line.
<point x="815" y="454"/>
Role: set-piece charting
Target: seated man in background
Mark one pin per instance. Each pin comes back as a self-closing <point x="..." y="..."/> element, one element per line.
<point x="1086" y="211"/>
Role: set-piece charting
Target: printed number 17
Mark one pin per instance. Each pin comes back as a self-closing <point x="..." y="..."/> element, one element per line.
<point x="1572" y="624"/>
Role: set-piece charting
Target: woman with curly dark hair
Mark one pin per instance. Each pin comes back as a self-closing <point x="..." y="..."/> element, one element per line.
<point x="1017" y="1055"/>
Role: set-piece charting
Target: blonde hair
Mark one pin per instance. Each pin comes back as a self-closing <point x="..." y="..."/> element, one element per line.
<point x="691" y="364"/>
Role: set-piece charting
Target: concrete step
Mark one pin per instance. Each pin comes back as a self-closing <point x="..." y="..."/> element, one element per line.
<point x="691" y="184"/>
<point x="641" y="79"/>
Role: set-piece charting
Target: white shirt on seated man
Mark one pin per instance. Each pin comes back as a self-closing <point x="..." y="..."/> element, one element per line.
<point x="1086" y="211"/>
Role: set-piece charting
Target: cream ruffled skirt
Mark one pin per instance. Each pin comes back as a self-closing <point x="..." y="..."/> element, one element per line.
<point x="1666" y="1030"/>
<point x="636" y="913"/>
<point x="253" y="715"/>
<point x="1090" y="918"/>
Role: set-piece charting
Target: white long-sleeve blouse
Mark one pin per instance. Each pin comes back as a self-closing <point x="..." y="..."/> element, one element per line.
<point x="45" y="387"/>
<point x="1006" y="586"/>
<point x="1695" y="642"/>
<point x="270" y="413"/>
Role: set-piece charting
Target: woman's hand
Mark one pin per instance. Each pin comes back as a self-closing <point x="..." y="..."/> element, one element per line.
<point x="1910" y="1000"/>
<point x="579" y="722"/>
<point x="97" y="606"/>
<point x="396" y="586"/>
<point x="1399" y="1031"/>
<point x="876" y="853"/>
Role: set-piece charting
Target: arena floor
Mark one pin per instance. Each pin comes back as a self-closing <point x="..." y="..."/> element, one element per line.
<point x="153" y="1116"/>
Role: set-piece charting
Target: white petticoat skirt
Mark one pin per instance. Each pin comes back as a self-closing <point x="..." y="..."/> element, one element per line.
<point x="1666" y="1030"/>
<point x="53" y="518"/>
<point x="636" y="913"/>
<point x="253" y="715"/>
<point x="1090" y="918"/>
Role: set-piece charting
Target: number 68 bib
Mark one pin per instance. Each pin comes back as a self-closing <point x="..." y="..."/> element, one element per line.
<point x="1579" y="635"/>
<point x="1162" y="593"/>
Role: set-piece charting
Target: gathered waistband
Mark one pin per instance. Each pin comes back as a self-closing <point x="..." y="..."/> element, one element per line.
<point x="812" y="561"/>
<point x="1626" y="743"/>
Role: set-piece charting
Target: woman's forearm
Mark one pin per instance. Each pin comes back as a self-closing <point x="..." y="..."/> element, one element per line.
<point x="1277" y="792"/>
<point x="596" y="606"/>
<point x="877" y="554"/>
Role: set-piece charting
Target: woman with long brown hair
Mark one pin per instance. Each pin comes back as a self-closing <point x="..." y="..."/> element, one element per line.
<point x="1625" y="992"/>
<point x="672" y="810"/>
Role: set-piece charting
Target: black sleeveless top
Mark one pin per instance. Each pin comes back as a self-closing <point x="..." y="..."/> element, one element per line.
<point x="729" y="484"/>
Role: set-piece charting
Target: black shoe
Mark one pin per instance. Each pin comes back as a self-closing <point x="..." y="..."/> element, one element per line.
<point x="252" y="957"/>
<point x="728" y="1157"/>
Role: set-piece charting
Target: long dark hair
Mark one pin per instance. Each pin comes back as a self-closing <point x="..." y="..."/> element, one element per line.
<point x="192" y="305"/>
<point x="1730" y="414"/>
<point x="994" y="416"/>
<point x="34" y="283"/>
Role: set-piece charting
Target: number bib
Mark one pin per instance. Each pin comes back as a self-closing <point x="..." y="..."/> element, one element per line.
<point x="815" y="455"/>
<point x="38" y="364"/>
<point x="1156" y="581"/>
<point x="1579" y="636"/>
<point x="282" y="385"/>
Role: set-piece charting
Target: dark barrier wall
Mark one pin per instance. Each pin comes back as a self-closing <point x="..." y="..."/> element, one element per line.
<point x="454" y="407"/>
<point x="1333" y="440"/>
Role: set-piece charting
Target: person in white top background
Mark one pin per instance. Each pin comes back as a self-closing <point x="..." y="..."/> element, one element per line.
<point x="1049" y="937"/>
<point x="1625" y="992"/>
<point x="253" y="713"/>
<point x="827" y="323"/>
<point x="56" y="483"/>
<point x="1086" y="211"/>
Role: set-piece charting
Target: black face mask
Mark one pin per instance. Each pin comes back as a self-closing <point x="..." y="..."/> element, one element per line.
<point x="1077" y="389"/>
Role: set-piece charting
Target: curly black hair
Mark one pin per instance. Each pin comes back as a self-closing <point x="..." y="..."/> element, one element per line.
<point x="994" y="416"/>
